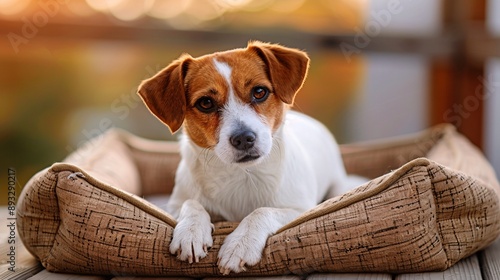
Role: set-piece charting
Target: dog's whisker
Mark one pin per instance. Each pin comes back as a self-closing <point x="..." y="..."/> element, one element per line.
<point x="250" y="178"/>
<point x="207" y="158"/>
<point x="279" y="148"/>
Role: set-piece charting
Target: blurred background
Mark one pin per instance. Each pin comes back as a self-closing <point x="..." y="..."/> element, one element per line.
<point x="69" y="69"/>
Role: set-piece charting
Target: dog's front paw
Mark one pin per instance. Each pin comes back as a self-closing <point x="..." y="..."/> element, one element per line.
<point x="239" y="249"/>
<point x="191" y="239"/>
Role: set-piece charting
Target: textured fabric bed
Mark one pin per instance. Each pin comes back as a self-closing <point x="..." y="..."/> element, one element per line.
<point x="432" y="201"/>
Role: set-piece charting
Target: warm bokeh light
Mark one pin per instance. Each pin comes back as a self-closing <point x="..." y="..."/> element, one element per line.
<point x="128" y="10"/>
<point x="13" y="7"/>
<point x="100" y="5"/>
<point x="307" y="15"/>
<point x="286" y="6"/>
<point x="166" y="9"/>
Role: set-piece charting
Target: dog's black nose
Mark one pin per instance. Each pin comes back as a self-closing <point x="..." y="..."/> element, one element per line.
<point x="243" y="140"/>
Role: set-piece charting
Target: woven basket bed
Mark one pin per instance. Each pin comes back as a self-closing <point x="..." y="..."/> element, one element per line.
<point x="433" y="201"/>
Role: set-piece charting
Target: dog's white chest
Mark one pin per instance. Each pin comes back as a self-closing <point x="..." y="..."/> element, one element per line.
<point x="233" y="192"/>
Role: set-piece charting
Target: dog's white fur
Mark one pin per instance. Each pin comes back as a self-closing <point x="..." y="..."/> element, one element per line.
<point x="300" y="165"/>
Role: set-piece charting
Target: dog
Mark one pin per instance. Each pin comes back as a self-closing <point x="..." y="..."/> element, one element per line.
<point x="245" y="156"/>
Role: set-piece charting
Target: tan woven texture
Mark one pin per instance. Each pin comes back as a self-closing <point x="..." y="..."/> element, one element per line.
<point x="433" y="201"/>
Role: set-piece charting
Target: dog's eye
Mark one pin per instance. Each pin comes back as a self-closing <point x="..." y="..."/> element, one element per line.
<point x="259" y="94"/>
<point x="206" y="105"/>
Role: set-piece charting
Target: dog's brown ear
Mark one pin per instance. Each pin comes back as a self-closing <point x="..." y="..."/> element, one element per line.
<point x="286" y="67"/>
<point x="164" y="94"/>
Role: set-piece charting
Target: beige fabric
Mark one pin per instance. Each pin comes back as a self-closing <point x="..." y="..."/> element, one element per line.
<point x="433" y="201"/>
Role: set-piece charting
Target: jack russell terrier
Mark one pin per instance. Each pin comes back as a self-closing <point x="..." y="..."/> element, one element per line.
<point x="245" y="156"/>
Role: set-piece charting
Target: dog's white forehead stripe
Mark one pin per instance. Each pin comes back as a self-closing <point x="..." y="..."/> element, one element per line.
<point x="224" y="70"/>
<point x="232" y="107"/>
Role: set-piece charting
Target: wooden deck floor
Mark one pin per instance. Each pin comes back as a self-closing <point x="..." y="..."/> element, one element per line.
<point x="483" y="265"/>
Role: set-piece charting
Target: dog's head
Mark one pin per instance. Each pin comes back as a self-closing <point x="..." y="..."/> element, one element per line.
<point x="231" y="102"/>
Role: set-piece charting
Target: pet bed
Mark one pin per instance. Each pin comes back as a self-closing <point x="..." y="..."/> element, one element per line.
<point x="433" y="201"/>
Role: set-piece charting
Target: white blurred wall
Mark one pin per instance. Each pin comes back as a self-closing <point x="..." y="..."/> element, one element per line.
<point x="380" y="113"/>
<point x="492" y="108"/>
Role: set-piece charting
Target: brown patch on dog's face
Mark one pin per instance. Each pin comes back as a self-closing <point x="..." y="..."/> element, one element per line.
<point x="203" y="81"/>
